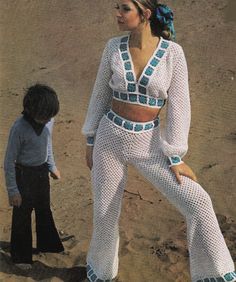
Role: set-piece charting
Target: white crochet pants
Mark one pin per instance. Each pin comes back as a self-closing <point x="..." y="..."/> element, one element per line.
<point x="114" y="149"/>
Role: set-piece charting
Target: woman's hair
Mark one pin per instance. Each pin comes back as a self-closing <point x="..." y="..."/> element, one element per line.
<point x="41" y="102"/>
<point x="157" y="28"/>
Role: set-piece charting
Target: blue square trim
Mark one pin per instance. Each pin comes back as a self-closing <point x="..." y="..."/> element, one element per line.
<point x="160" y="53"/>
<point x="131" y="87"/>
<point x="125" y="56"/>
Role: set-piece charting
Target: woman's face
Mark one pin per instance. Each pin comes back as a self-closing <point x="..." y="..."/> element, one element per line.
<point x="127" y="15"/>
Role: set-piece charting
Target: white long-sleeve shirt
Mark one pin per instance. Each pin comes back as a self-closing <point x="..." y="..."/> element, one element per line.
<point x="164" y="77"/>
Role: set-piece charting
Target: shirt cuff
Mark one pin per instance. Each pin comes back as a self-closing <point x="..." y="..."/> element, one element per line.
<point x="174" y="160"/>
<point x="90" y="140"/>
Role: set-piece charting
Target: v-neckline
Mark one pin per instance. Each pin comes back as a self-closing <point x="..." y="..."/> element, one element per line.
<point x="137" y="81"/>
<point x="141" y="85"/>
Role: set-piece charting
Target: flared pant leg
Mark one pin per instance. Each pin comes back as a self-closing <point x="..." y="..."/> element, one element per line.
<point x="108" y="180"/>
<point x="34" y="188"/>
<point x="209" y="255"/>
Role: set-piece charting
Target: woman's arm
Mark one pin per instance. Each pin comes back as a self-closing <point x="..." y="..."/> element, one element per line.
<point x="101" y="96"/>
<point x="175" y="139"/>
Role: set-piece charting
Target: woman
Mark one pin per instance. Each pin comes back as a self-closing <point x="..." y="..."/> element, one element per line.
<point x="140" y="73"/>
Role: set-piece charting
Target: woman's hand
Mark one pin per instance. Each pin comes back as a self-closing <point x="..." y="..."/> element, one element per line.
<point x="89" y="156"/>
<point x="15" y="200"/>
<point x="183" y="169"/>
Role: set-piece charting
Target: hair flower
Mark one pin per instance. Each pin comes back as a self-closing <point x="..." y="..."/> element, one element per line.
<point x="166" y="17"/>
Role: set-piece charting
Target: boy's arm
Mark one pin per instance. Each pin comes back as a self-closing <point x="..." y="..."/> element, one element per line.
<point x="13" y="148"/>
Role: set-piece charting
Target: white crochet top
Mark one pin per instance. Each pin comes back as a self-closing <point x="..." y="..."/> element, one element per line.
<point x="165" y="78"/>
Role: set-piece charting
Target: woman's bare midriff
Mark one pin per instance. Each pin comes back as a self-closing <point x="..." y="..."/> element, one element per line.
<point x="134" y="112"/>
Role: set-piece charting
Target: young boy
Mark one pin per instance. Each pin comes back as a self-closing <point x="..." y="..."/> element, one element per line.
<point x="28" y="161"/>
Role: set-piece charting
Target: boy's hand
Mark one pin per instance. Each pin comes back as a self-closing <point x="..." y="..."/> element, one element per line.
<point x="185" y="170"/>
<point x="55" y="174"/>
<point x="15" y="200"/>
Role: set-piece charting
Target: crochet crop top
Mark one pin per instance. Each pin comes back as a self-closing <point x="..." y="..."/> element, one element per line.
<point x="164" y="79"/>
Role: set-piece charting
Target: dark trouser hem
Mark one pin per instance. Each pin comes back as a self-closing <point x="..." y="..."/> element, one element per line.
<point x="92" y="277"/>
<point x="34" y="188"/>
<point x="231" y="276"/>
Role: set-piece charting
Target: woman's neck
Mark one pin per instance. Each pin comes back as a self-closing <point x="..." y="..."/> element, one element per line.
<point x="141" y="37"/>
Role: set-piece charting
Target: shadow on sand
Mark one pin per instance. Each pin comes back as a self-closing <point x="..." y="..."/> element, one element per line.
<point x="39" y="271"/>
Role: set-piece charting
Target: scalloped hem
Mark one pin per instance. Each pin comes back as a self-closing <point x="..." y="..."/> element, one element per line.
<point x="92" y="277"/>
<point x="228" y="277"/>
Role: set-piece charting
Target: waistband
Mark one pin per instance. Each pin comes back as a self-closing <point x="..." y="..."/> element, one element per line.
<point x="139" y="99"/>
<point x="132" y="126"/>
<point x="34" y="168"/>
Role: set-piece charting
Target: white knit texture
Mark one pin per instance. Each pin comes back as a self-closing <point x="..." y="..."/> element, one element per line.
<point x="114" y="149"/>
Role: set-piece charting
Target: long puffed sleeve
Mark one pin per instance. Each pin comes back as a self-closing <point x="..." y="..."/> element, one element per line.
<point x="175" y="139"/>
<point x="101" y="96"/>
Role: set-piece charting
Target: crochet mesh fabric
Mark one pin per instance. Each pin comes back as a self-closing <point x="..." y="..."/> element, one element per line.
<point x="114" y="149"/>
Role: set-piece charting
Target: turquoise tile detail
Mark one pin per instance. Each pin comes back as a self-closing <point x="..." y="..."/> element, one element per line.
<point x="110" y="116"/>
<point x="128" y="66"/>
<point x="138" y="127"/>
<point x="144" y="81"/>
<point x="143" y="99"/>
<point x="125" y="56"/>
<point x="123" y="47"/>
<point x="131" y="87"/>
<point x="165" y="44"/>
<point x="124" y="39"/>
<point x="148" y="126"/>
<point x="160" y="102"/>
<point x="154" y="62"/>
<point x="128" y="125"/>
<point x="142" y="89"/>
<point x="93" y="277"/>
<point x="90" y="272"/>
<point x="116" y="94"/>
<point x="118" y="121"/>
<point x="229" y="277"/>
<point x="152" y="102"/>
<point x="176" y="160"/>
<point x="149" y="71"/>
<point x="160" y="53"/>
<point x="220" y="279"/>
<point x="124" y="96"/>
<point x="132" y="97"/>
<point x="129" y="76"/>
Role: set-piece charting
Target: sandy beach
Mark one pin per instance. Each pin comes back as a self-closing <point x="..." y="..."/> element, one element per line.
<point x="59" y="42"/>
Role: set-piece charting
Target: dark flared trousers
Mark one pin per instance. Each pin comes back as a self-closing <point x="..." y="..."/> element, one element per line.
<point x="34" y="187"/>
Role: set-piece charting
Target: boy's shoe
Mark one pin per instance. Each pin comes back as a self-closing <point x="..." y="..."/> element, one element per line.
<point x="24" y="266"/>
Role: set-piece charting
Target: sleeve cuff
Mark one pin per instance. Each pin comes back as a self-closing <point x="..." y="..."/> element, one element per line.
<point x="174" y="160"/>
<point x="52" y="168"/>
<point x="90" y="140"/>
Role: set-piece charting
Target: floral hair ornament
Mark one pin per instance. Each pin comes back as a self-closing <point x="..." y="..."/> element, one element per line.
<point x="166" y="17"/>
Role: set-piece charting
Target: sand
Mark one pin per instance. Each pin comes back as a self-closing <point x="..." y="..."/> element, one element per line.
<point x="60" y="42"/>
